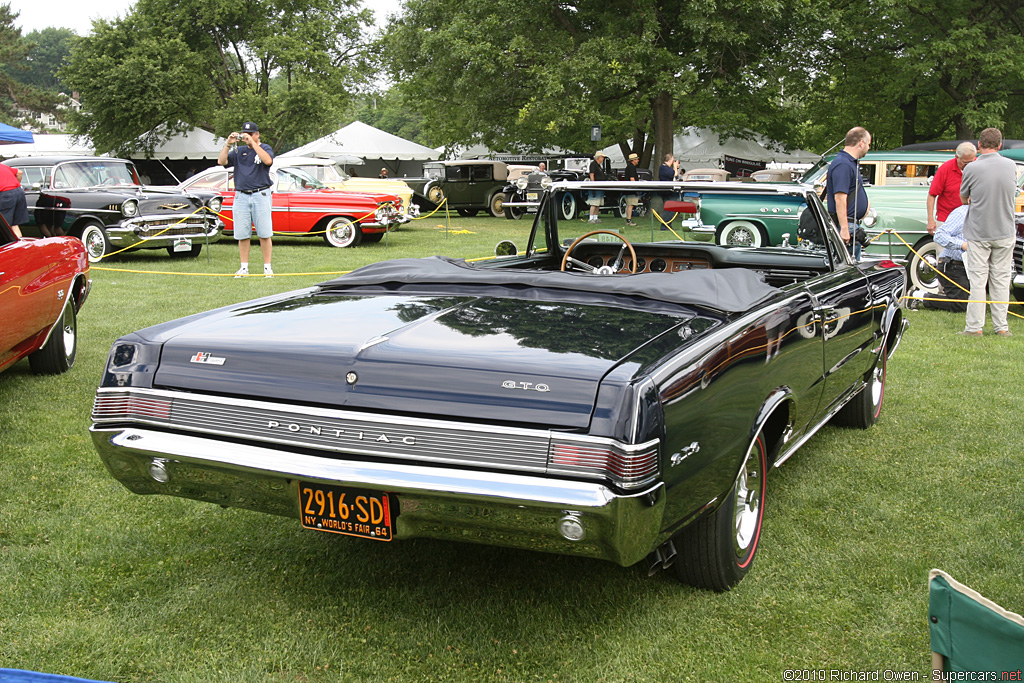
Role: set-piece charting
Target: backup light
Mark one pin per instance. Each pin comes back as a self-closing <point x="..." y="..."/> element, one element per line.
<point x="628" y="467"/>
<point x="158" y="470"/>
<point x="571" y="527"/>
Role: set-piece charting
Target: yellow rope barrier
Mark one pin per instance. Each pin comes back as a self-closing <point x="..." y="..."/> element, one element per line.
<point x="945" y="277"/>
<point x="152" y="237"/>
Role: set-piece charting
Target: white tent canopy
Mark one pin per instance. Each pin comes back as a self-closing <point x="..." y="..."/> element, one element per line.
<point x="194" y="144"/>
<point x="362" y="140"/>
<point x="702" y="146"/>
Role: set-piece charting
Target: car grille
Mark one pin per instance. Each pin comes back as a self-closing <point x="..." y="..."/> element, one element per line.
<point x="407" y="439"/>
<point x="171" y="227"/>
<point x="1018" y="256"/>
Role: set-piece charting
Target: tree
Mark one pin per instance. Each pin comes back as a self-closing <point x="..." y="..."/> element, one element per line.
<point x="50" y="47"/>
<point x="289" y="65"/>
<point x="916" y="71"/>
<point x="488" y="71"/>
<point x="14" y="93"/>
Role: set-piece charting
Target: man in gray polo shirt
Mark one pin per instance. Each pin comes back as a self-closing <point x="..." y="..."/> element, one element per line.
<point x="989" y="186"/>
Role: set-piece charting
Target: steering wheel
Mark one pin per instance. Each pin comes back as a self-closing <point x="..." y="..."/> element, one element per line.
<point x="612" y="268"/>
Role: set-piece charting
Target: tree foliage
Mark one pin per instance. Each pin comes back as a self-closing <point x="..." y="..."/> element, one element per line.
<point x="15" y="91"/>
<point x="289" y="65"/>
<point x="523" y="77"/>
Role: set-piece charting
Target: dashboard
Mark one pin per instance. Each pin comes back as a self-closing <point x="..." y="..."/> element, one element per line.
<point x="650" y="264"/>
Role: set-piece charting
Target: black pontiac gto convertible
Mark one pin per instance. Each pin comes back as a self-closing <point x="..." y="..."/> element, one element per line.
<point x="615" y="395"/>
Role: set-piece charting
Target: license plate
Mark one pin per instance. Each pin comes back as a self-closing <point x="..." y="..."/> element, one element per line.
<point x="352" y="512"/>
<point x="183" y="244"/>
<point x="531" y="196"/>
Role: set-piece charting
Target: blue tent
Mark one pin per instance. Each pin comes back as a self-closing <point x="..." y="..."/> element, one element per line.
<point x="11" y="135"/>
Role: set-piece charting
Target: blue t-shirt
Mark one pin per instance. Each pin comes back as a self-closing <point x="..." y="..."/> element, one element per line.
<point x="844" y="176"/>
<point x="250" y="172"/>
<point x="666" y="172"/>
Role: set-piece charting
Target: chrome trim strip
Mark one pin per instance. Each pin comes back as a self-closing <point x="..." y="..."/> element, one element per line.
<point x="352" y="432"/>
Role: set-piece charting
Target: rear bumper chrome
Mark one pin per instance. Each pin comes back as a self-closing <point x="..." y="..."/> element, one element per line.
<point x="512" y="510"/>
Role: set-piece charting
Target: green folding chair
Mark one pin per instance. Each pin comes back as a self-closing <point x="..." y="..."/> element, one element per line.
<point x="969" y="631"/>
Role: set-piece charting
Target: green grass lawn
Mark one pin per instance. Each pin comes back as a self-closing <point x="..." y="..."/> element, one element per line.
<point x="101" y="583"/>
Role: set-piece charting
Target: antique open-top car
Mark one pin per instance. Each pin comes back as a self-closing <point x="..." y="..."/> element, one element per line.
<point x="304" y="205"/>
<point x="615" y="395"/>
<point x="43" y="285"/>
<point x="101" y="201"/>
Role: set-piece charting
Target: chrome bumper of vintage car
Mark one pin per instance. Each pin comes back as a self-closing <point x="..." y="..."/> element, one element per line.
<point x="162" y="231"/>
<point x="525" y="205"/>
<point x="512" y="510"/>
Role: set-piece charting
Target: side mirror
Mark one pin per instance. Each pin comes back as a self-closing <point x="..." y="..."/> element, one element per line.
<point x="506" y="248"/>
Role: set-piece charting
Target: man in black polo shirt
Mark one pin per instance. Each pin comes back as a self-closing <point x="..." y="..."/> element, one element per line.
<point x="847" y="200"/>
<point x="253" y="206"/>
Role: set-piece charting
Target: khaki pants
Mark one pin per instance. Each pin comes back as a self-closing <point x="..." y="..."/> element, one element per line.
<point x="989" y="267"/>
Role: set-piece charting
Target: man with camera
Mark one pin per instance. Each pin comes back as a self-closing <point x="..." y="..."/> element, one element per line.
<point x="847" y="200"/>
<point x="253" y="206"/>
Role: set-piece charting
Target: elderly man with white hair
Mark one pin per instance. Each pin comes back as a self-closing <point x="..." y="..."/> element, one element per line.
<point x="944" y="192"/>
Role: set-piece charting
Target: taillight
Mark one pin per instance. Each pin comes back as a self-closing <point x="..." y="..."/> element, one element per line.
<point x="627" y="465"/>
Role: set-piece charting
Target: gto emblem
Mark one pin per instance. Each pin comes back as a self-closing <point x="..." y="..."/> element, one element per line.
<point x="526" y="386"/>
<point x="173" y="207"/>
<point x="208" y="358"/>
<point x="358" y="435"/>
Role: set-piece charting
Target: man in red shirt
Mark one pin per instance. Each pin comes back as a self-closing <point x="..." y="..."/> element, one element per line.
<point x="12" y="198"/>
<point x="944" y="193"/>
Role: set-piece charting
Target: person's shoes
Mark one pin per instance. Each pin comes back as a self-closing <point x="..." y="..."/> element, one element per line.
<point x="1004" y="333"/>
<point x="913" y="302"/>
<point x="267" y="270"/>
<point x="242" y="272"/>
<point x="595" y="220"/>
<point x="631" y="223"/>
<point x="970" y="334"/>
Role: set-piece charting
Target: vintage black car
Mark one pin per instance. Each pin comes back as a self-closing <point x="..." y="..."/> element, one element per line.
<point x="469" y="186"/>
<point x="101" y="201"/>
<point x="615" y="395"/>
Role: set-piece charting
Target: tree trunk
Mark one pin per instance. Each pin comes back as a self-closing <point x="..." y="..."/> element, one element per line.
<point x="664" y="123"/>
<point x="909" y="110"/>
<point x="963" y="130"/>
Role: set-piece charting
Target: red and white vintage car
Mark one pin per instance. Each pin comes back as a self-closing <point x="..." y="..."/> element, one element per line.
<point x="303" y="204"/>
<point x="43" y="284"/>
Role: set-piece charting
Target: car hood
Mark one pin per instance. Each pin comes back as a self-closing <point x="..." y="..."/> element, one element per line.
<point x="472" y="357"/>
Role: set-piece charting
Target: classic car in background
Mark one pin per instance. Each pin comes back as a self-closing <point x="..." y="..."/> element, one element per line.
<point x="522" y="193"/>
<point x="469" y="186"/>
<point x="101" y="201"/>
<point x="597" y="395"/>
<point x="333" y="176"/>
<point x="43" y="285"/>
<point x="302" y="204"/>
<point x="525" y="196"/>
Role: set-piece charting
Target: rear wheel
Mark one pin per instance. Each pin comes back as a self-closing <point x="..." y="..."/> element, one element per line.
<point x="716" y="551"/>
<point x="94" y="237"/>
<point x="496" y="204"/>
<point x="341" y="233"/>
<point x="58" y="353"/>
<point x="513" y="213"/>
<point x="743" y="234"/>
<point x="923" y="267"/>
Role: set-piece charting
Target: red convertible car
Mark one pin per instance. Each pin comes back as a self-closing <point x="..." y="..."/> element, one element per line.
<point x="303" y="204"/>
<point x="43" y="284"/>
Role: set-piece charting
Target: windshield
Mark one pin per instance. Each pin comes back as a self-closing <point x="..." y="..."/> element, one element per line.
<point x="94" y="173"/>
<point x="296" y="179"/>
<point x="751" y="221"/>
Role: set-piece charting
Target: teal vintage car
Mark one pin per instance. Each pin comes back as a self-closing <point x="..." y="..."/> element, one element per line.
<point x="897" y="185"/>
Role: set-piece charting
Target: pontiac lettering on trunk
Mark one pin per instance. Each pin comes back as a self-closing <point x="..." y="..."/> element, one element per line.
<point x="337" y="433"/>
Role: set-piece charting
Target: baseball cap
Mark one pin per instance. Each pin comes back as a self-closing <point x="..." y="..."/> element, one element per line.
<point x="250" y="127"/>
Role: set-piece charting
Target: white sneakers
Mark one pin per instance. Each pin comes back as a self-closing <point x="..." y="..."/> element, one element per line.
<point x="244" y="271"/>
